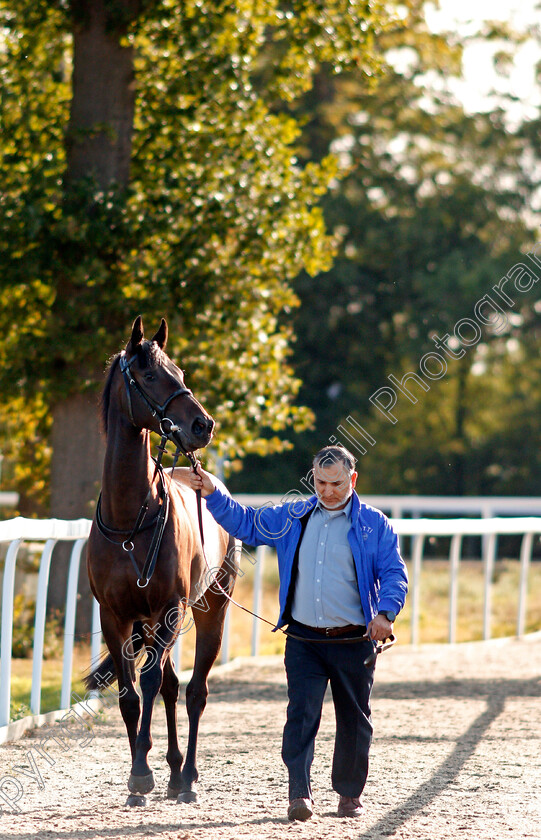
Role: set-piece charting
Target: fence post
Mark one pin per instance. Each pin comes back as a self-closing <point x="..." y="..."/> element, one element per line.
<point x="69" y="623"/>
<point x="416" y="561"/>
<point x="8" y="588"/>
<point x="489" y="558"/>
<point x="225" y="638"/>
<point x="95" y="645"/>
<point x="176" y="654"/>
<point x="525" y="557"/>
<point x="39" y="626"/>
<point x="454" y="563"/>
<point x="257" y="597"/>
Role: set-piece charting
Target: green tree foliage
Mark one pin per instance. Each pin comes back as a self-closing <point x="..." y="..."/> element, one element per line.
<point x="476" y="431"/>
<point x="213" y="218"/>
<point x="432" y="210"/>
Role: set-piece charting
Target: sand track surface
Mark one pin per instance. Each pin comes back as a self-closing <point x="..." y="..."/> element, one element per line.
<point x="456" y="754"/>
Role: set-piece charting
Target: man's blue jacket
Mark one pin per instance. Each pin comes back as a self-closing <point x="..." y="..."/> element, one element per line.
<point x="381" y="572"/>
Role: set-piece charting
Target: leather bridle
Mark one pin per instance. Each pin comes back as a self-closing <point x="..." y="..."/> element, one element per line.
<point x="155" y="408"/>
<point x="168" y="431"/>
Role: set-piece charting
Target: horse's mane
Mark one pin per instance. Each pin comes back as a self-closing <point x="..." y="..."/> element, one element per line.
<point x="106" y="393"/>
<point x="148" y="353"/>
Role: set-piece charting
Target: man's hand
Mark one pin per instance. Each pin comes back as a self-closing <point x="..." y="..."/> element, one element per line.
<point x="380" y="628"/>
<point x="202" y="481"/>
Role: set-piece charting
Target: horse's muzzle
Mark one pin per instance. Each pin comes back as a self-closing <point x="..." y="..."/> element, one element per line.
<point x="202" y="427"/>
<point x="197" y="439"/>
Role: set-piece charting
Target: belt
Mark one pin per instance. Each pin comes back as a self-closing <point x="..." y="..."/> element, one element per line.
<point x="330" y="632"/>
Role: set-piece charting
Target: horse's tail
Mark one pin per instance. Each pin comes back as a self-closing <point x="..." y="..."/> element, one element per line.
<point x="104" y="674"/>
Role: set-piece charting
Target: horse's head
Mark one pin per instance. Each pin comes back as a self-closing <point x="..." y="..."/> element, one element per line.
<point x="155" y="396"/>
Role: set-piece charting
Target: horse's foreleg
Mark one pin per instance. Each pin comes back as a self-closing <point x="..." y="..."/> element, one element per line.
<point x="141" y="779"/>
<point x="152" y="675"/>
<point x="117" y="639"/>
<point x="209" y="629"/>
<point x="169" y="692"/>
<point x="123" y="651"/>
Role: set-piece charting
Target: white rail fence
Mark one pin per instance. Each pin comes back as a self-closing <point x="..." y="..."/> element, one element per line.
<point x="18" y="531"/>
<point x="15" y="532"/>
<point x="399" y="507"/>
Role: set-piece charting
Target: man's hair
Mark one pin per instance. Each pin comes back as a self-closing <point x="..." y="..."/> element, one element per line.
<point x="334" y="455"/>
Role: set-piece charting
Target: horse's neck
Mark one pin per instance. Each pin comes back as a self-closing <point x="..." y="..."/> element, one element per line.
<point x="127" y="475"/>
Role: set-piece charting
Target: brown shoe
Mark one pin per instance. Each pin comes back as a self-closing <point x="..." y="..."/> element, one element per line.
<point x="300" y="809"/>
<point x="350" y="806"/>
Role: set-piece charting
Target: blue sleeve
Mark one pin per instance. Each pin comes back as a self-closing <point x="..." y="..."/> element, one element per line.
<point x="391" y="569"/>
<point x="254" y="526"/>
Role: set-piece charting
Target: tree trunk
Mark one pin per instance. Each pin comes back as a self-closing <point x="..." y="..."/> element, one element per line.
<point x="78" y="450"/>
<point x="102" y="106"/>
<point x="78" y="447"/>
<point x="98" y="146"/>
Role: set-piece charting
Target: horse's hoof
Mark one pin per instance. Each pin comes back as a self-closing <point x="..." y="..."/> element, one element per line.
<point x="187" y="796"/>
<point x="134" y="801"/>
<point x="141" y="784"/>
<point x="172" y="793"/>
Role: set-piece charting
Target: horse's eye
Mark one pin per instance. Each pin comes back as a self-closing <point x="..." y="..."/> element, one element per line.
<point x="149" y="377"/>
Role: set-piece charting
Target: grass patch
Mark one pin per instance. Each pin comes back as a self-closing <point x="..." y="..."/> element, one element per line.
<point x="51" y="682"/>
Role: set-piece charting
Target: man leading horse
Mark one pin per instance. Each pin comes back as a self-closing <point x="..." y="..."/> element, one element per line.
<point x="342" y="584"/>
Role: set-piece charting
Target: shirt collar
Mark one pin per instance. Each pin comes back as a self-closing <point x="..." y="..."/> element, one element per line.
<point x="330" y="514"/>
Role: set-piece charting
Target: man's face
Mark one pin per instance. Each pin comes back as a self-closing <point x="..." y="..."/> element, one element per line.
<point x="334" y="484"/>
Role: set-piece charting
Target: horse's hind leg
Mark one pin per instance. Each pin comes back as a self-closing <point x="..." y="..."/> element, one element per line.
<point x="209" y="628"/>
<point x="169" y="692"/>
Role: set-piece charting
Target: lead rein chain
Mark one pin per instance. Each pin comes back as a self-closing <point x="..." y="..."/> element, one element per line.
<point x="379" y="647"/>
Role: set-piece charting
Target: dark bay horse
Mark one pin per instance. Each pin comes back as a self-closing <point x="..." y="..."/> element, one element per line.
<point x="145" y="519"/>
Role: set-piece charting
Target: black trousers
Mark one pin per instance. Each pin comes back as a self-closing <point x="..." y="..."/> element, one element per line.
<point x="310" y="666"/>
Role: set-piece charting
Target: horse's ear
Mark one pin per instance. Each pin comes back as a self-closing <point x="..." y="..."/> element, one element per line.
<point x="137" y="335"/>
<point x="161" y="336"/>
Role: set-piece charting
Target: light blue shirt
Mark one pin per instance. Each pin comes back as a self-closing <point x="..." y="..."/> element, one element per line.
<point x="326" y="591"/>
<point x="381" y="571"/>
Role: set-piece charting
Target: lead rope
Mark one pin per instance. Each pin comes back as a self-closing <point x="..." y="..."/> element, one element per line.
<point x="379" y="647"/>
<point x="193" y="461"/>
